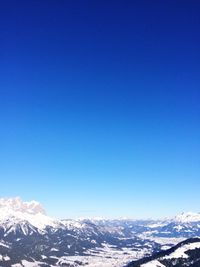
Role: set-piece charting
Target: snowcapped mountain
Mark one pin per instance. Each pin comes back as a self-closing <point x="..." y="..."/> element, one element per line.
<point x="28" y="237"/>
<point x="14" y="210"/>
<point x="187" y="217"/>
<point x="17" y="205"/>
<point x="184" y="225"/>
<point x="186" y="253"/>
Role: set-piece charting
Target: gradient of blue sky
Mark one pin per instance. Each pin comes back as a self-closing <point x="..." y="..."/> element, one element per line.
<point x="99" y="104"/>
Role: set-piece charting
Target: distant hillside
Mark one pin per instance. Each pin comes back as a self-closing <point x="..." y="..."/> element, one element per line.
<point x="186" y="253"/>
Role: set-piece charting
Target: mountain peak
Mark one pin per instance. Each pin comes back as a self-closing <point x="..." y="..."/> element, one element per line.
<point x="187" y="217"/>
<point x="17" y="205"/>
<point x="19" y="210"/>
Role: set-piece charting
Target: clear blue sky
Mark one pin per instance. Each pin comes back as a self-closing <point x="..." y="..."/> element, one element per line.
<point x="100" y="106"/>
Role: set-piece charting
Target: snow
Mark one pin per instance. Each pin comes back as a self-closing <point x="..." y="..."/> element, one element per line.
<point x="71" y="224"/>
<point x="4" y="245"/>
<point x="154" y="263"/>
<point x="180" y="252"/>
<point x="106" y="256"/>
<point x="156" y="225"/>
<point x="187" y="217"/>
<point x="16" y="204"/>
<point x="14" y="210"/>
<point x="163" y="240"/>
<point x="30" y="264"/>
<point x="54" y="249"/>
<point x="26" y="263"/>
<point x="40" y="221"/>
<point x="4" y="258"/>
<point x="178" y="227"/>
<point x="43" y="256"/>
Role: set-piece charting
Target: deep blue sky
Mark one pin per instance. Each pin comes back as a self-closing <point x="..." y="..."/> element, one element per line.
<point x="100" y="106"/>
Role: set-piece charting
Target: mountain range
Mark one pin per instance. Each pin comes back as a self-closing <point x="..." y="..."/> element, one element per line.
<point x="30" y="238"/>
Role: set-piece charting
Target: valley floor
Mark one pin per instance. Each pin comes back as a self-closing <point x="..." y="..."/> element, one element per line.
<point x="108" y="256"/>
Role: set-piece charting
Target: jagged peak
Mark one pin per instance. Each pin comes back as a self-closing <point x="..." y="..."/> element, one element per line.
<point x="16" y="204"/>
<point x="18" y="211"/>
<point x="186" y="217"/>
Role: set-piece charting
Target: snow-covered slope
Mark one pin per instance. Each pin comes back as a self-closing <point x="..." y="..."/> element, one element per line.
<point x="186" y="253"/>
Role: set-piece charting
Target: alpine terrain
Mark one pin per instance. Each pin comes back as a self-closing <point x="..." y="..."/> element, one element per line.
<point x="186" y="253"/>
<point x="28" y="238"/>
